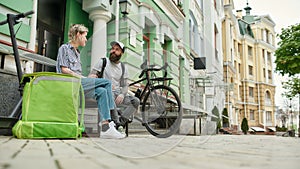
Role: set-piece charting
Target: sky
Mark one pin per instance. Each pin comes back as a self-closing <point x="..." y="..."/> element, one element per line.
<point x="284" y="13"/>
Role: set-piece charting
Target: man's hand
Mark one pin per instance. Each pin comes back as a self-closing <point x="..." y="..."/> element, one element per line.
<point x="119" y="99"/>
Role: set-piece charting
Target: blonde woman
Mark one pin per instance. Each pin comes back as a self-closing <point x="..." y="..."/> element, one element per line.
<point x="68" y="62"/>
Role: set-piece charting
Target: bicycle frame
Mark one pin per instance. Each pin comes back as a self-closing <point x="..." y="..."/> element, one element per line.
<point x="148" y="70"/>
<point x="149" y="83"/>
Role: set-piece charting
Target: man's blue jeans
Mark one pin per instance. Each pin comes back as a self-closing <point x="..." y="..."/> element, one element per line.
<point x="99" y="89"/>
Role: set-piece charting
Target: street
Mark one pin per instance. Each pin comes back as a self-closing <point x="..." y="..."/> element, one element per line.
<point x="146" y="151"/>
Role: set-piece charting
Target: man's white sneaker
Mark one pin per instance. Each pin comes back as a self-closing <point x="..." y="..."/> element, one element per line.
<point x="111" y="133"/>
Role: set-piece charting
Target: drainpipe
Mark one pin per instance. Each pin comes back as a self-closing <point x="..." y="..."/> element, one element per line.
<point x="117" y="26"/>
<point x="258" y="83"/>
<point x="244" y="84"/>
<point x="227" y="81"/>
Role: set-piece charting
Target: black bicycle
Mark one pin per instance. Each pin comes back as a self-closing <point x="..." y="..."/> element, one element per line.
<point x="160" y="105"/>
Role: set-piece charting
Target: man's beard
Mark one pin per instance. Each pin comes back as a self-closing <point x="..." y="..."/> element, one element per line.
<point x="114" y="58"/>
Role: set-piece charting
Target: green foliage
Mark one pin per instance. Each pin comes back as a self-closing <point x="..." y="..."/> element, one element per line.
<point x="283" y="129"/>
<point x="217" y="119"/>
<point x="215" y="112"/>
<point x="219" y="125"/>
<point x="224" y="119"/>
<point x="245" y="126"/>
<point x="288" y="54"/>
<point x="292" y="87"/>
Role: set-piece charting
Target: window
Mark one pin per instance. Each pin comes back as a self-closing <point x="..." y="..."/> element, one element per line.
<point x="250" y="70"/>
<point x="231" y="55"/>
<point x="235" y="65"/>
<point x="251" y="91"/>
<point x="216" y="43"/>
<point x="239" y="49"/>
<point x="252" y="115"/>
<point x="267" y="36"/>
<point x="268" y="95"/>
<point x="268" y="100"/>
<point x="146" y="47"/>
<point x="269" y="116"/>
<point x="166" y="48"/>
<point x="148" y="37"/>
<point x="234" y="47"/>
<point x="263" y="56"/>
<point x="240" y="92"/>
<point x="269" y="74"/>
<point x="250" y="55"/>
<point x="269" y="58"/>
<point x="194" y="35"/>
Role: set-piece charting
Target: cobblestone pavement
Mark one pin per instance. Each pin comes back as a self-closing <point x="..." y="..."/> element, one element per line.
<point x="148" y="152"/>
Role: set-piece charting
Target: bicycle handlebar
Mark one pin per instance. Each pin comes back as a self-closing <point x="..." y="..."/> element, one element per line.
<point x="17" y="17"/>
<point x="147" y="68"/>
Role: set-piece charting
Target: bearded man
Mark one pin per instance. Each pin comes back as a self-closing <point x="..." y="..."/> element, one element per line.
<point x="116" y="71"/>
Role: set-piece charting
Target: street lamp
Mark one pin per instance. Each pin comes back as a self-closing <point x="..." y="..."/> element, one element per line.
<point x="125" y="7"/>
<point x="291" y="112"/>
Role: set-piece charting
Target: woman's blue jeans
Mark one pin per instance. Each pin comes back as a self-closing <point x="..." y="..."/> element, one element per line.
<point x="99" y="89"/>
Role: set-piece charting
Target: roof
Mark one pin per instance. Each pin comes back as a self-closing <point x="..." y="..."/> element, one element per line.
<point x="245" y="28"/>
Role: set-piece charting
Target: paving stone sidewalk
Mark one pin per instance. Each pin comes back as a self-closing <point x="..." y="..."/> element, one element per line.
<point x="148" y="152"/>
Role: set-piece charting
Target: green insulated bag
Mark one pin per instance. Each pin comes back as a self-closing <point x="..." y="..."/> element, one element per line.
<point x="50" y="106"/>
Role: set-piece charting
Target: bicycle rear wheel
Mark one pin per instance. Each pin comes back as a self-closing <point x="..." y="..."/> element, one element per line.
<point x="161" y="111"/>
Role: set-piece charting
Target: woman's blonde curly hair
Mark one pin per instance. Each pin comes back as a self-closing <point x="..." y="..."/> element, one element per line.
<point x="74" y="29"/>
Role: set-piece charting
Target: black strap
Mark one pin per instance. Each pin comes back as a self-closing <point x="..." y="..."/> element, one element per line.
<point x="100" y="74"/>
<point x="122" y="76"/>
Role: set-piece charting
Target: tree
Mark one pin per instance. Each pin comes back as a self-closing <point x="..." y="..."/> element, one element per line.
<point x="245" y="126"/>
<point x="217" y="118"/>
<point x="288" y="54"/>
<point x="225" y="118"/>
<point x="216" y="114"/>
<point x="282" y="116"/>
<point x="292" y="87"/>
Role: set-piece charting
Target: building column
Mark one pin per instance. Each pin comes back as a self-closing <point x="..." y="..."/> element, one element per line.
<point x="99" y="38"/>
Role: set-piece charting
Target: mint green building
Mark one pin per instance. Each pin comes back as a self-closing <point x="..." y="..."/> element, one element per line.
<point x="157" y="30"/>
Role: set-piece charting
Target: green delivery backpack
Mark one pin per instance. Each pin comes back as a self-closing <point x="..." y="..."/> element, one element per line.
<point x="50" y="107"/>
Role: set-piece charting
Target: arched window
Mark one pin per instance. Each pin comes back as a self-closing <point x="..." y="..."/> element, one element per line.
<point x="268" y="100"/>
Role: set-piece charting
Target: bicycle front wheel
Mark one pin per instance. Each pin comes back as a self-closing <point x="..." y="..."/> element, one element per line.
<point x="161" y="111"/>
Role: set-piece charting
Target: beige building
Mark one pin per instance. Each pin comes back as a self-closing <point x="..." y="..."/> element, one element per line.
<point x="248" y="48"/>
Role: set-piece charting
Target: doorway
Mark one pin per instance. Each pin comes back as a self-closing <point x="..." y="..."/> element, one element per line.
<point x="50" y="30"/>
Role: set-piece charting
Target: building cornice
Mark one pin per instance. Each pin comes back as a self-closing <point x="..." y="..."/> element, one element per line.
<point x="171" y="8"/>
